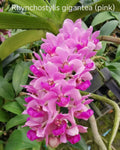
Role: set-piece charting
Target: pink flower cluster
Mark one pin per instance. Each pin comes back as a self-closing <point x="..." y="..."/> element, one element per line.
<point x="54" y="99"/>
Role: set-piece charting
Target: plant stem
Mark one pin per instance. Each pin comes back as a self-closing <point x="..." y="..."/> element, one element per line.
<point x="117" y="114"/>
<point x="109" y="38"/>
<point x="96" y="135"/>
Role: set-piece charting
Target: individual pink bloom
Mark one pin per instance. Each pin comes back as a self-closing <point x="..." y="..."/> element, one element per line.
<point x="79" y="110"/>
<point x="51" y="43"/>
<point x="62" y="131"/>
<point x="65" y="92"/>
<point x="39" y="118"/>
<point x="67" y="28"/>
<point x="61" y="60"/>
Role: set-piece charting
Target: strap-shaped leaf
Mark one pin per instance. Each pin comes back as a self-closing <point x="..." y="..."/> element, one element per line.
<point x="62" y="7"/>
<point x="17" y="21"/>
<point x="74" y="15"/>
<point x="18" y="40"/>
<point x="37" y="7"/>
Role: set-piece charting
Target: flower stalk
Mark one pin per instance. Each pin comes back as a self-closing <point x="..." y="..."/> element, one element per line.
<point x="117" y="115"/>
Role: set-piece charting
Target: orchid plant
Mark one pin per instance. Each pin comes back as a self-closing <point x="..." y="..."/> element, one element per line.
<point x="60" y="75"/>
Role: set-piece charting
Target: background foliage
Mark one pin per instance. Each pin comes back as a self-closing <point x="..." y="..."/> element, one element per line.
<point x="28" y="27"/>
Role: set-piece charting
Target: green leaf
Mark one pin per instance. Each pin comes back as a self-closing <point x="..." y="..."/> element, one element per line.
<point x="6" y="89"/>
<point x="12" y="57"/>
<point x="22" y="50"/>
<point x="116" y="15"/>
<point x="18" y="21"/>
<point x="20" y="76"/>
<point x="19" y="141"/>
<point x="84" y="25"/>
<point x="17" y="120"/>
<point x="81" y="145"/>
<point x="108" y="27"/>
<point x="19" y="40"/>
<point x="116" y="65"/>
<point x="74" y="15"/>
<point x="9" y="74"/>
<point x="114" y="70"/>
<point x="21" y="101"/>
<point x="13" y="107"/>
<point x="116" y="77"/>
<point x="4" y="116"/>
<point x="101" y="51"/>
<point x="100" y="19"/>
<point x="37" y="7"/>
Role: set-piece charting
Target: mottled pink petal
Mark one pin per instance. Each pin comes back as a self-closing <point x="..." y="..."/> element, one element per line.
<point x="82" y="129"/>
<point x="66" y="68"/>
<point x="88" y="101"/>
<point x="63" y="138"/>
<point x="84" y="85"/>
<point x="95" y="35"/>
<point x="63" y="101"/>
<point x="74" y="139"/>
<point x="31" y="135"/>
<point x="28" y="99"/>
<point x="72" y="131"/>
<point x="34" y="113"/>
<point x="60" y="130"/>
<point x="35" y="71"/>
<point x="53" y="142"/>
<point x="91" y="46"/>
<point x="78" y="23"/>
<point x="98" y="46"/>
<point x="84" y="115"/>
